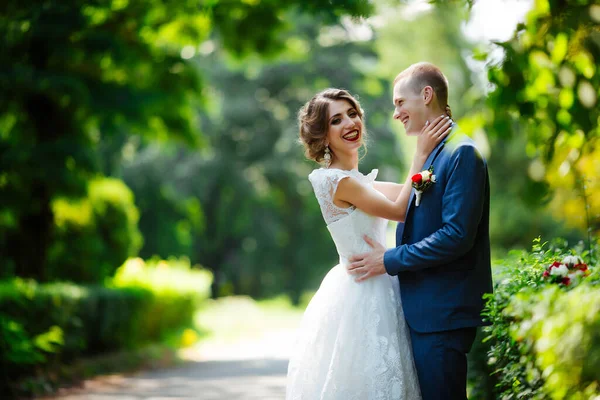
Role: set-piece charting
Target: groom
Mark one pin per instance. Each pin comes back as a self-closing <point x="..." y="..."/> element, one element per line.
<point x="442" y="258"/>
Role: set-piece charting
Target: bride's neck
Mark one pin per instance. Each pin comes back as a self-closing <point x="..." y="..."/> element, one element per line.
<point x="345" y="162"/>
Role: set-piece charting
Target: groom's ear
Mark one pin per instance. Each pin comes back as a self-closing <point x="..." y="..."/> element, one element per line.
<point x="428" y="94"/>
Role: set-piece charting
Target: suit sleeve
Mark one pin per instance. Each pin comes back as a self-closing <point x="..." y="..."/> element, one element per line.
<point x="462" y="208"/>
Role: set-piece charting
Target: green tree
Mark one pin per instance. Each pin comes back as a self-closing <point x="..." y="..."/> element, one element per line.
<point x="75" y="72"/>
<point x="434" y="35"/>
<point x="549" y="78"/>
<point x="161" y="177"/>
<point x="546" y="88"/>
<point x="519" y="204"/>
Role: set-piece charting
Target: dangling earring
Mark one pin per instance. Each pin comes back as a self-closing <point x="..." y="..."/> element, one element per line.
<point x="327" y="157"/>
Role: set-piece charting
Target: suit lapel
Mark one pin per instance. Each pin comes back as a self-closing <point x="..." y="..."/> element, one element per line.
<point x="432" y="156"/>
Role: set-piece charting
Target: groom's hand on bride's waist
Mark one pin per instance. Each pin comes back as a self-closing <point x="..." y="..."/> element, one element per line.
<point x="367" y="265"/>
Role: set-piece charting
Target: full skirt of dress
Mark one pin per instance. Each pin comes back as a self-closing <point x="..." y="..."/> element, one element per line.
<point x="353" y="343"/>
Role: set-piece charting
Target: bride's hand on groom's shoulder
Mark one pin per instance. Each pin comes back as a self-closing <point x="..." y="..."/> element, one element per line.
<point x="432" y="134"/>
<point x="368" y="265"/>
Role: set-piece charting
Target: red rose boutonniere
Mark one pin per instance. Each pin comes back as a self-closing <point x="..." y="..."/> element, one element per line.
<point x="421" y="182"/>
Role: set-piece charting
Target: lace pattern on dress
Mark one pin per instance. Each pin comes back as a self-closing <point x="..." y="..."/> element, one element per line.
<point x="325" y="183"/>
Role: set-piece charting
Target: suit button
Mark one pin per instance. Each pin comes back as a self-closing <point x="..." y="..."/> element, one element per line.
<point x="404" y="237"/>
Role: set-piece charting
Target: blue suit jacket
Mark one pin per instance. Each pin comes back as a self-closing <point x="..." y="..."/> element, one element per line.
<point x="442" y="258"/>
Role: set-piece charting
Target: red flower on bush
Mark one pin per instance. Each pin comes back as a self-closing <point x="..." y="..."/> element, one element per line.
<point x="581" y="267"/>
<point x="564" y="273"/>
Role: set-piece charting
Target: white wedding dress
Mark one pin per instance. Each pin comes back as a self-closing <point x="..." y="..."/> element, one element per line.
<point x="353" y="342"/>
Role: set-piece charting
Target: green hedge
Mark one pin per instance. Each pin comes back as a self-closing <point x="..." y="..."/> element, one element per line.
<point x="177" y="291"/>
<point x="45" y="326"/>
<point x="544" y="342"/>
<point x="93" y="235"/>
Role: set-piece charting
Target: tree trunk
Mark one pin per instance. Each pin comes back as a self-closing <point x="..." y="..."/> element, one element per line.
<point x="30" y="242"/>
<point x="29" y="245"/>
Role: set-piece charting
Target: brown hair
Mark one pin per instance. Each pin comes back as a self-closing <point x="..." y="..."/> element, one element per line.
<point x="426" y="74"/>
<point x="313" y="120"/>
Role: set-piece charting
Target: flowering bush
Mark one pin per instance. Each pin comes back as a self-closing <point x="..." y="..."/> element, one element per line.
<point x="571" y="269"/>
<point x="543" y="341"/>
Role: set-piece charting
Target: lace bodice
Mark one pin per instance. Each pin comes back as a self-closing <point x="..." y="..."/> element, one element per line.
<point x="346" y="225"/>
<point x="325" y="183"/>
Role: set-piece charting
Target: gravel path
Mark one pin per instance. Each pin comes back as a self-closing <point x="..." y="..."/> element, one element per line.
<point x="250" y="370"/>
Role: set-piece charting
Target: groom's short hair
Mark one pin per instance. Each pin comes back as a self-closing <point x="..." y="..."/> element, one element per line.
<point x="426" y="74"/>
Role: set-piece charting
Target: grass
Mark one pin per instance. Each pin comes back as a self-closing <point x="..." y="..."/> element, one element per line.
<point x="234" y="318"/>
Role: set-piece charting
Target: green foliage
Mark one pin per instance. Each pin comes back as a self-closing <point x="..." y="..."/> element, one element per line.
<point x="544" y="95"/>
<point x="549" y="79"/>
<point x="236" y="22"/>
<point x="170" y="217"/>
<point x="77" y="73"/>
<point x="93" y="235"/>
<point x="45" y="326"/>
<point x="175" y="277"/>
<point x="540" y="332"/>
<point x="176" y="289"/>
<point x="521" y="271"/>
<point x="435" y="36"/>
<point x="74" y="73"/>
<point x="17" y="346"/>
<point x="560" y="331"/>
<point x="518" y="209"/>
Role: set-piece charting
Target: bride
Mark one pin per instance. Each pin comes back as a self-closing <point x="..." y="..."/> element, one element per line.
<point x="353" y="342"/>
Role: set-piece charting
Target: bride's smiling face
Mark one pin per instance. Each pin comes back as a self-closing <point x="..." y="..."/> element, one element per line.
<point x="345" y="128"/>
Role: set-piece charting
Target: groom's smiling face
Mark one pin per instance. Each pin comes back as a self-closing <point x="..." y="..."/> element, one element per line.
<point x="409" y="107"/>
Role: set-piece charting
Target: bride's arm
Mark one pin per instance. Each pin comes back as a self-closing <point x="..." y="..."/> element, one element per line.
<point x="367" y="199"/>
<point x="390" y="190"/>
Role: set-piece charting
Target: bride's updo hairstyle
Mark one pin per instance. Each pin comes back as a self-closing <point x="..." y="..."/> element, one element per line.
<point x="313" y="120"/>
